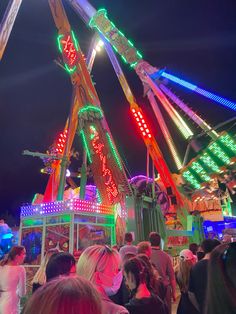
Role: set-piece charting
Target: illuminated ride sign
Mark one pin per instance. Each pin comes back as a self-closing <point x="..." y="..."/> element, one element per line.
<point x="99" y="146"/>
<point x="68" y="46"/>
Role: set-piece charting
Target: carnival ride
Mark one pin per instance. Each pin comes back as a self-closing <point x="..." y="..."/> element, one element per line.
<point x="199" y="178"/>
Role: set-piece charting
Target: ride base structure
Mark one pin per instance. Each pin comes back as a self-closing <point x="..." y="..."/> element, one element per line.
<point x="70" y="226"/>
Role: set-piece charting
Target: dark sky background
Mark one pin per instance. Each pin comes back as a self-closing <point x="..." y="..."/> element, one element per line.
<point x="195" y="40"/>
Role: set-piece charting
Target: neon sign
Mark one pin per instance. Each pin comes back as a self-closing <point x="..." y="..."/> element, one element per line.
<point x="68" y="46"/>
<point x="98" y="147"/>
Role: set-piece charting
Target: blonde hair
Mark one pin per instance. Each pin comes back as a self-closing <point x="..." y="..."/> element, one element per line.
<point x="97" y="258"/>
<point x="40" y="275"/>
<point x="65" y="295"/>
<point x="182" y="276"/>
<point x="143" y="247"/>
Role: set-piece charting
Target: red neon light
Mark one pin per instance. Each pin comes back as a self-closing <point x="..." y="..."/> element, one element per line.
<point x="69" y="50"/>
<point x="98" y="146"/>
<point x="61" y="141"/>
<point x="142" y="125"/>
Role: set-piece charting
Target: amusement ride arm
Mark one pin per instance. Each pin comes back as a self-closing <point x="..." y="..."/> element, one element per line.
<point x="129" y="54"/>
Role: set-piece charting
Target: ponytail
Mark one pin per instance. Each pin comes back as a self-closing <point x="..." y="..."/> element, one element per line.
<point x="14" y="251"/>
<point x="4" y="261"/>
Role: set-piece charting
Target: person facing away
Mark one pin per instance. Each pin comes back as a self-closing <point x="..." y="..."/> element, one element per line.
<point x="40" y="276"/>
<point x="137" y="278"/>
<point x="163" y="264"/>
<point x="128" y="247"/>
<point x="186" y="262"/>
<point x="144" y="249"/>
<point x="64" y="295"/>
<point x="122" y="296"/>
<point x="198" y="275"/>
<point x="100" y="265"/>
<point x="193" y="247"/>
<point x="12" y="280"/>
<point x="60" y="264"/>
<point x="221" y="290"/>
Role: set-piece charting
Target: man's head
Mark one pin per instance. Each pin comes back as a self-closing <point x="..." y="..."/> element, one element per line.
<point x="193" y="247"/>
<point x="128" y="237"/>
<point x="144" y="247"/>
<point x="154" y="239"/>
<point x="60" y="264"/>
<point x="208" y="245"/>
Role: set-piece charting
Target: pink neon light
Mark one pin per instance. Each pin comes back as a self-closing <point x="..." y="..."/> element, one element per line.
<point x="74" y="205"/>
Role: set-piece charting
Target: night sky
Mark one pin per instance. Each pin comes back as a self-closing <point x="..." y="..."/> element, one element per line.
<point x="194" y="40"/>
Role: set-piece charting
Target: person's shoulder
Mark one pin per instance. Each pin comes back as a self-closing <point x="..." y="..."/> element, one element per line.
<point x="123" y="248"/>
<point x="164" y="254"/>
<point x="108" y="307"/>
<point x="201" y="263"/>
<point x="199" y="266"/>
<point x="20" y="269"/>
<point x="113" y="308"/>
<point x="150" y="303"/>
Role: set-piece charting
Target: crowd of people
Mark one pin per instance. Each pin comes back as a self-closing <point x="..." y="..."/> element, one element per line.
<point x="134" y="279"/>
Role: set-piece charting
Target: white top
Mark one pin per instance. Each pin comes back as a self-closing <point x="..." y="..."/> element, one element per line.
<point x="12" y="288"/>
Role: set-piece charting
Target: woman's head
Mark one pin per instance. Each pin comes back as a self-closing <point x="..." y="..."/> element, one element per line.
<point x="186" y="262"/>
<point x="16" y="254"/>
<point x="65" y="295"/>
<point x="99" y="264"/>
<point x="187" y="255"/>
<point x="135" y="273"/>
<point x="60" y="264"/>
<point x="152" y="273"/>
<point x="222" y="280"/>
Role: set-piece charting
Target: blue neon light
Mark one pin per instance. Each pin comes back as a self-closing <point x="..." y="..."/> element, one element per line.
<point x="179" y="81"/>
<point x="223" y="101"/>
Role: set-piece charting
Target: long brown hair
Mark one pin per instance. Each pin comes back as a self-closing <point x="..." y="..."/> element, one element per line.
<point x="65" y="295"/>
<point x="14" y="251"/>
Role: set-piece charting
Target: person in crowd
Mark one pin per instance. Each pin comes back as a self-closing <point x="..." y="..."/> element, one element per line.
<point x="144" y="247"/>
<point x="155" y="282"/>
<point x="100" y="265"/>
<point x="200" y="254"/>
<point x="137" y="278"/>
<point x="65" y="296"/>
<point x="193" y="247"/>
<point x="12" y="280"/>
<point x="221" y="290"/>
<point x="122" y="296"/>
<point x="128" y="247"/>
<point x="163" y="264"/>
<point x="60" y="264"/>
<point x="186" y="262"/>
<point x="198" y="275"/>
<point x="40" y="276"/>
